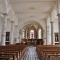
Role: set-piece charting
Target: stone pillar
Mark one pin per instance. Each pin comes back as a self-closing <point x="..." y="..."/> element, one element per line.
<point x="46" y="34"/>
<point x="26" y="34"/>
<point x="58" y="13"/>
<point x="12" y="33"/>
<point x="16" y="32"/>
<point x="59" y="27"/>
<point x="51" y="33"/>
<point x="20" y="35"/>
<point x="4" y="28"/>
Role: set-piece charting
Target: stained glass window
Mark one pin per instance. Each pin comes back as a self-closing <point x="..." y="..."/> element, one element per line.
<point x="23" y="33"/>
<point x="31" y="34"/>
<point x="39" y="34"/>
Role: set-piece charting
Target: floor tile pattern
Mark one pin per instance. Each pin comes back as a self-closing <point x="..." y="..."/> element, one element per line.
<point x="30" y="54"/>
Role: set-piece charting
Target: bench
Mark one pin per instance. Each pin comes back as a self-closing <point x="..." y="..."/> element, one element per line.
<point x="46" y="51"/>
<point x="4" y="58"/>
<point x="16" y="51"/>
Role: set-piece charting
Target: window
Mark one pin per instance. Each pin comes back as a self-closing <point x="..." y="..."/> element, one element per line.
<point x="39" y="34"/>
<point x="23" y="34"/>
<point x="31" y="34"/>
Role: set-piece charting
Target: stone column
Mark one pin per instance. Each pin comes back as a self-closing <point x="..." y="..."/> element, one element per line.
<point x="4" y="28"/>
<point x="51" y="33"/>
<point x="59" y="27"/>
<point x="26" y="34"/>
<point x="12" y="33"/>
<point x="16" y="32"/>
<point x="46" y="34"/>
<point x="58" y="13"/>
<point x="20" y="35"/>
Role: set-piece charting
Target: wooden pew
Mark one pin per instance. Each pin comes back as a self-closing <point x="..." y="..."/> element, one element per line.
<point x="4" y="58"/>
<point x="13" y="50"/>
<point x="7" y="56"/>
<point x="46" y="51"/>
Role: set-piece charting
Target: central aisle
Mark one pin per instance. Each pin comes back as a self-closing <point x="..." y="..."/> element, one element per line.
<point x="30" y="54"/>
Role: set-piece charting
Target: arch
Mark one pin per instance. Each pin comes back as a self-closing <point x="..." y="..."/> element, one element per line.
<point x="30" y="22"/>
<point x="32" y="25"/>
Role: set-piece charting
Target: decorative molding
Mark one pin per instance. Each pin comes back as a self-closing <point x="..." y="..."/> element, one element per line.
<point x="58" y="14"/>
<point x="51" y="21"/>
<point x="11" y="21"/>
<point x="4" y="13"/>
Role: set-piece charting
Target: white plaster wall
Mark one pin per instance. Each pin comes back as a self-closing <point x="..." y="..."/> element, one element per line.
<point x="0" y="7"/>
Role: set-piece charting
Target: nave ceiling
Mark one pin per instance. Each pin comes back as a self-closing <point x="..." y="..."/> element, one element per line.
<point x="33" y="9"/>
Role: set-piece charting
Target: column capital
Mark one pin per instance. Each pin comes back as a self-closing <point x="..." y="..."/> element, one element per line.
<point x="51" y="21"/>
<point x="16" y="25"/>
<point x="58" y="14"/>
<point x="4" y="14"/>
<point x="12" y="21"/>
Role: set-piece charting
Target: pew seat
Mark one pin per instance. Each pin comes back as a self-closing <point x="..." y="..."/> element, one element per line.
<point x="4" y="58"/>
<point x="47" y="51"/>
<point x="14" y="51"/>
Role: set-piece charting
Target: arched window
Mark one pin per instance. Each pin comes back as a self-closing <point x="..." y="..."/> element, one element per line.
<point x="23" y="33"/>
<point x="31" y="34"/>
<point x="39" y="34"/>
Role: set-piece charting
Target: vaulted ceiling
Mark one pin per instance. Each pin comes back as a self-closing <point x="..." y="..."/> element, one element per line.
<point x="33" y="9"/>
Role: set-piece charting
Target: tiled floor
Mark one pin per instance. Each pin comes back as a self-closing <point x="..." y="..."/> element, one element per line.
<point x="30" y="54"/>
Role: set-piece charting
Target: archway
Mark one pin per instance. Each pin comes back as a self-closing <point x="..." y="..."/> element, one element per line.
<point x="31" y="33"/>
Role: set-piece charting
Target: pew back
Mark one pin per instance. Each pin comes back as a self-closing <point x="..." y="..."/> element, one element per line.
<point x="48" y="50"/>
